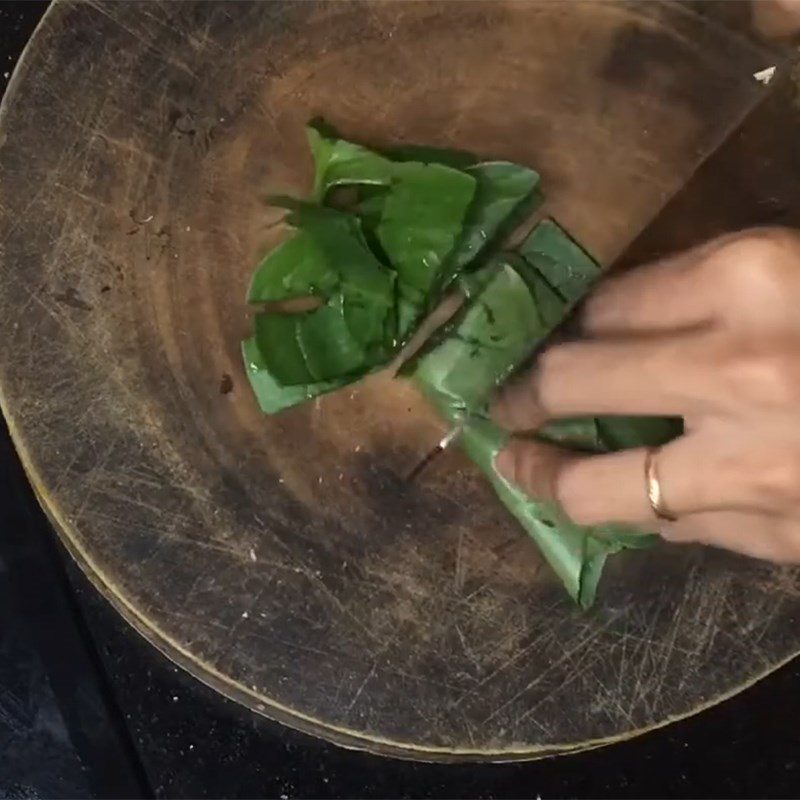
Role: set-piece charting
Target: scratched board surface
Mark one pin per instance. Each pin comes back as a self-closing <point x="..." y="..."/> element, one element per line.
<point x="283" y="560"/>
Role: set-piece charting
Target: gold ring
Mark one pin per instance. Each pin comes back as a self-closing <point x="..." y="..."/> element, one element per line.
<point x="653" y="485"/>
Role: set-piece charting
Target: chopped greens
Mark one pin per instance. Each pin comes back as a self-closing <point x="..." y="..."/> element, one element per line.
<point x="422" y="218"/>
<point x="419" y="222"/>
<point x="272" y="396"/>
<point x="502" y="190"/>
<point x="493" y="334"/>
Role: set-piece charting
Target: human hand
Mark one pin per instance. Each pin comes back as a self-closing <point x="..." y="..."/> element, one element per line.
<point x="776" y="19"/>
<point x="712" y="335"/>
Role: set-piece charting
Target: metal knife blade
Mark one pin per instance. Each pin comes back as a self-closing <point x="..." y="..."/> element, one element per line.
<point x="451" y="436"/>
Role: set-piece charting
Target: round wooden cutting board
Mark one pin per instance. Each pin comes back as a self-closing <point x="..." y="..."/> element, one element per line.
<point x="283" y="560"/>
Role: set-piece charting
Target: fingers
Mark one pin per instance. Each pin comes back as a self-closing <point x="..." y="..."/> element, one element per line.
<point x="764" y="536"/>
<point x="590" y="490"/>
<point x="611" y="488"/>
<point x="663" y="375"/>
<point x="668" y="295"/>
<point x="595" y="489"/>
<point x="778" y="19"/>
<point x="697" y="473"/>
<point x="741" y="280"/>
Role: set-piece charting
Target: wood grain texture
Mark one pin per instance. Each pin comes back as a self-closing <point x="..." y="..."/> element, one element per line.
<point x="283" y="560"/>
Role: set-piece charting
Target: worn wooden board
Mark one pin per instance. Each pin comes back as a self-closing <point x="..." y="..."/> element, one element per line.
<point x="283" y="561"/>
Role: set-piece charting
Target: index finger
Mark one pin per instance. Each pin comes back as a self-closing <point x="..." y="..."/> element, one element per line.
<point x="666" y="295"/>
<point x="647" y="376"/>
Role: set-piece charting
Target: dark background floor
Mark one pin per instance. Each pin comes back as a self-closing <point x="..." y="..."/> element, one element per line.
<point x="87" y="708"/>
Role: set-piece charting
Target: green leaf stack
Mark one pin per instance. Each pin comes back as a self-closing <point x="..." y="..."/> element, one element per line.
<point x="418" y="223"/>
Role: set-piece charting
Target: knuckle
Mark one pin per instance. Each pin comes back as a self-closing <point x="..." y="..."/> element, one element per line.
<point x="757" y="265"/>
<point x="767" y="372"/>
<point x="779" y="478"/>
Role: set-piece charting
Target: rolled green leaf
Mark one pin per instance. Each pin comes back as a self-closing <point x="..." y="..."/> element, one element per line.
<point x="576" y="554"/>
<point x="508" y="316"/>
<point x="493" y="334"/>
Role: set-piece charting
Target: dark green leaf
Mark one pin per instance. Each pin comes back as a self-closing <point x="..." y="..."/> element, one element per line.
<point x="340" y="239"/>
<point x="339" y="162"/>
<point x="279" y="348"/>
<point x="457" y="159"/>
<point x="296" y="268"/>
<point x="578" y="434"/>
<point x="351" y="333"/>
<point x="422" y="218"/>
<point x="560" y="260"/>
<point x="329" y="347"/>
<point x="500" y="189"/>
<point x="311" y="347"/>
<point x="370" y="205"/>
<point x="494" y="333"/>
<point x="272" y="396"/>
<point x="603" y="434"/>
<point x="618" y="433"/>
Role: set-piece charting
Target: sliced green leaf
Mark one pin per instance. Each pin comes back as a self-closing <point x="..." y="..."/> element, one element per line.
<point x="296" y="268"/>
<point x="339" y="162"/>
<point x="349" y="334"/>
<point x="430" y="219"/>
<point x="447" y="157"/>
<point x="340" y="238"/>
<point x="273" y="397"/>
<point x="568" y="268"/>
<point x="500" y="189"/>
<point x="495" y="331"/>
<point x="329" y="347"/>
<point x="422" y="219"/>
<point x="279" y="348"/>
<point x="311" y="347"/>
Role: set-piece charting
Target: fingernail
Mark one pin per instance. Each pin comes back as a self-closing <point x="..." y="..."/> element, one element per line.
<point x="504" y="464"/>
